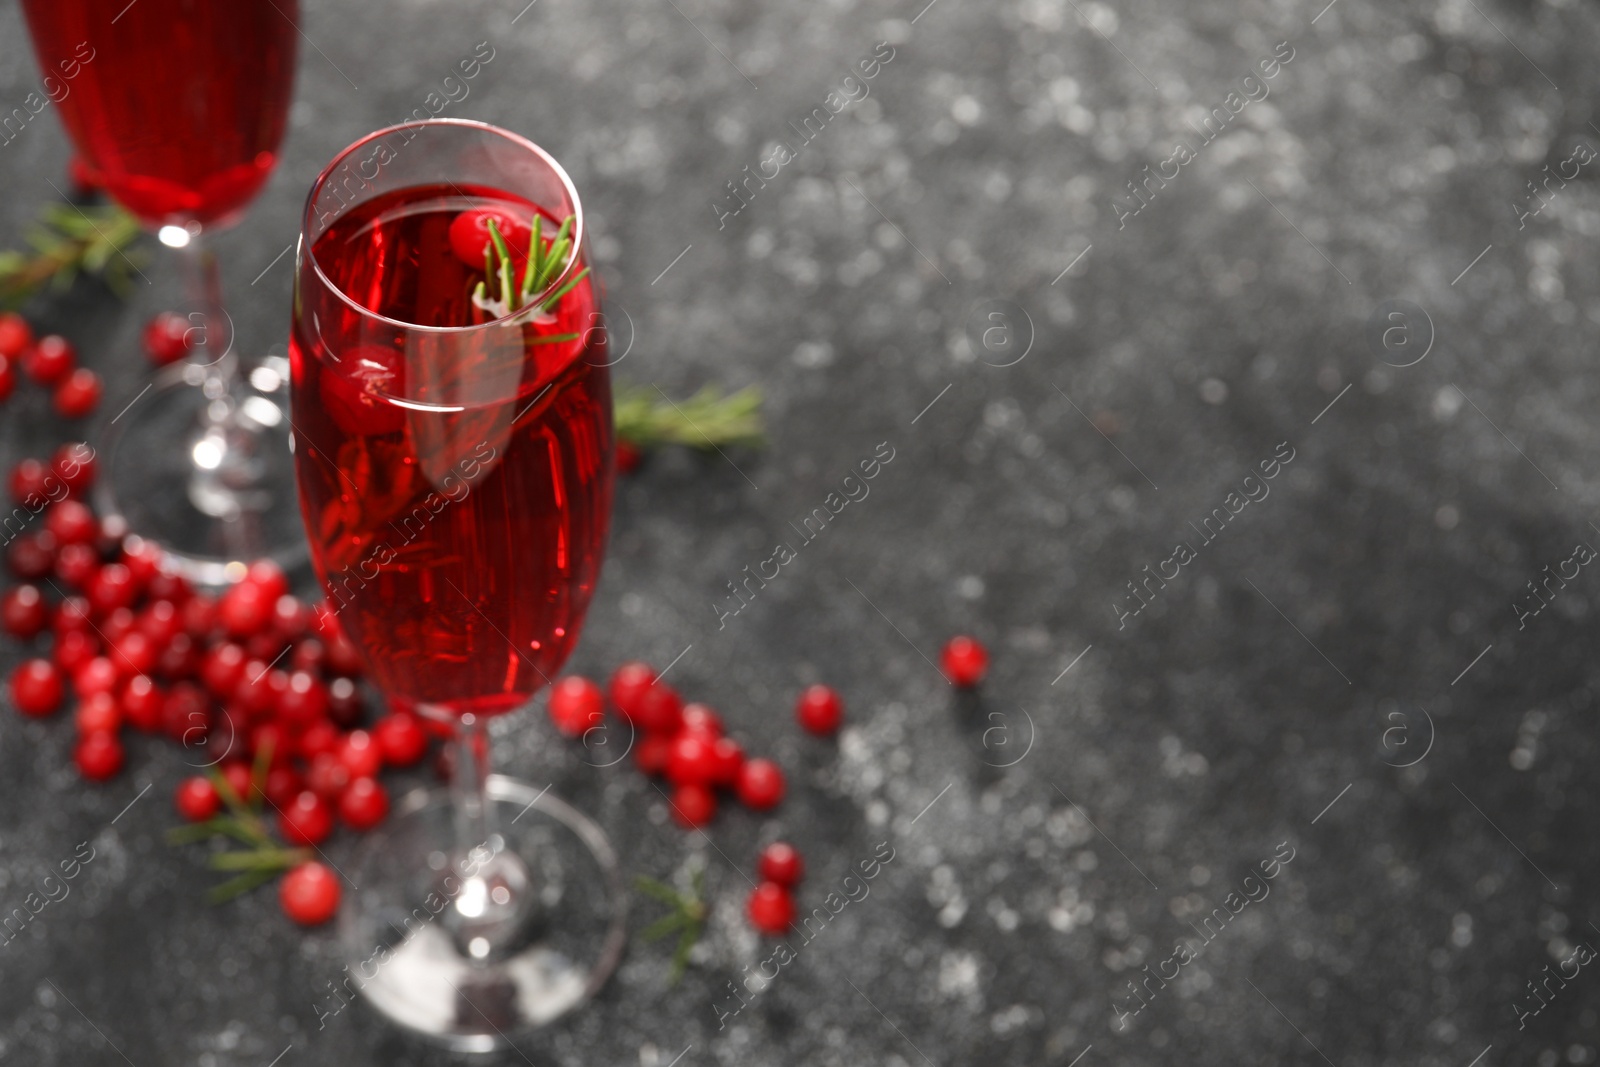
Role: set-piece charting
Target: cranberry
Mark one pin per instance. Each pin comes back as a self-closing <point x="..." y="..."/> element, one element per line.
<point x="771" y="909"/>
<point x="236" y="773"/>
<point x="76" y="564"/>
<point x="15" y="334"/>
<point x="73" y="614"/>
<point x="693" y="805"/>
<point x="163" y="584"/>
<point x="652" y="753"/>
<point x="79" y="395"/>
<point x="32" y="555"/>
<point x="109" y="538"/>
<point x="360" y="754"/>
<point x="727" y="758"/>
<point x="470" y="239"/>
<point x="343" y="656"/>
<point x="269" y="577"/>
<point x="320" y="738"/>
<point x="363" y="804"/>
<point x="36" y="688"/>
<point x="327" y="776"/>
<point x="71" y="522"/>
<point x="180" y="658"/>
<point x="325" y="620"/>
<point x="99" y="675"/>
<point x="223" y="669"/>
<point x="819" y="709"/>
<point x="23" y="612"/>
<point x="306" y="820"/>
<point x="111" y="588"/>
<point x="161" y="623"/>
<point x="700" y="719"/>
<point x="289" y="617"/>
<point x="309" y="655"/>
<point x="304" y="700"/>
<point x="144" y="702"/>
<point x="344" y="702"/>
<point x="965" y="661"/>
<point x="780" y="862"/>
<point x="199" y="615"/>
<point x="134" y="653"/>
<point x="197" y="799"/>
<point x="117" y="625"/>
<point x="401" y="738"/>
<point x="283" y="784"/>
<point x="272" y="742"/>
<point x="309" y="894"/>
<point x="575" y="705"/>
<point x="74" y="465"/>
<point x="8" y="377"/>
<point x="30" y="483"/>
<point x="760" y="784"/>
<point x="628" y="684"/>
<point x="98" y="755"/>
<point x="692" y="760"/>
<point x="74" y="648"/>
<point x="261" y="689"/>
<point x="186" y="716"/>
<point x="98" y="713"/>
<point x="144" y="561"/>
<point x="246" y="609"/>
<point x="658" y="710"/>
<point x="166" y="338"/>
<point x="50" y="360"/>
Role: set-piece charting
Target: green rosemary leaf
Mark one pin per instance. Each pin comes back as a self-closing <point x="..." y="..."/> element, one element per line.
<point x="274" y="859"/>
<point x="551" y="339"/>
<point x="708" y="419"/>
<point x="564" y="290"/>
<point x="664" y="926"/>
<point x="241" y="884"/>
<point x="660" y="890"/>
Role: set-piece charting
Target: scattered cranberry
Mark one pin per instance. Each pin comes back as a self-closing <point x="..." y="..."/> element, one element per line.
<point x="965" y="661"/>
<point x="628" y="684"/>
<point x="262" y="688"/>
<point x="780" y="862"/>
<point x="700" y="719"/>
<point x="99" y="713"/>
<point x="117" y="624"/>
<point x="23" y="612"/>
<point x="692" y="760"/>
<point x="71" y="522"/>
<point x="8" y="377"/>
<point x="364" y="803"/>
<point x="271" y="741"/>
<point x="223" y="669"/>
<point x="15" y="334"/>
<point x="76" y="564"/>
<point x="111" y="588"/>
<point x="290" y="617"/>
<point x="30" y="483"/>
<point x="360" y="754"/>
<point x="246" y="609"/>
<point x="144" y="559"/>
<point x="693" y="805"/>
<point x="771" y="909"/>
<point x="658" y="710"/>
<point x="652" y="753"/>
<point x="576" y="704"/>
<point x="74" y="465"/>
<point x="36" y="688"/>
<point x="760" y="784"/>
<point x="309" y="894"/>
<point x="186" y="718"/>
<point x="134" y="653"/>
<point x="199" y="615"/>
<point x="180" y="658"/>
<point x="99" y="756"/>
<point x="166" y="338"/>
<point x="50" y="360"/>
<point x="320" y="738"/>
<point x="819" y="709"/>
<point x="74" y="648"/>
<point x="144" y="703"/>
<point x="344" y="702"/>
<point x="197" y="799"/>
<point x="727" y="758"/>
<point x="237" y="774"/>
<point x="79" y="395"/>
<point x="328" y="776"/>
<point x="32" y="555"/>
<point x="401" y="738"/>
<point x="343" y="656"/>
<point x="99" y="675"/>
<point x="283" y="784"/>
<point x="73" y="614"/>
<point x="304" y="701"/>
<point x="306" y="820"/>
<point x="161" y="623"/>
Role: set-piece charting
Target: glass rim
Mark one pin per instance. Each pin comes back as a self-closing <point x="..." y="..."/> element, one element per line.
<point x="308" y="254"/>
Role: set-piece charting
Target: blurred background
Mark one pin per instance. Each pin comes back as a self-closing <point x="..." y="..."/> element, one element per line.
<point x="1348" y="669"/>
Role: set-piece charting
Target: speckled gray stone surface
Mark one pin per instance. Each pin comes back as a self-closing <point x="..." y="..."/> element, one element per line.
<point x="1155" y="759"/>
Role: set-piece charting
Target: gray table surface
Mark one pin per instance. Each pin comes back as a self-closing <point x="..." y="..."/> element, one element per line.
<point x="1118" y="777"/>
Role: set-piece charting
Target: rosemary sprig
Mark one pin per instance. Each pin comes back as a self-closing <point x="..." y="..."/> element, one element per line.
<point x="65" y="241"/>
<point x="543" y="265"/>
<point x="687" y="917"/>
<point x="709" y="419"/>
<point x="263" y="857"/>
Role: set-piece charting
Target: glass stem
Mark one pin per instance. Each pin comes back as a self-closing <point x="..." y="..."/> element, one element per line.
<point x="210" y="322"/>
<point x="469" y="782"/>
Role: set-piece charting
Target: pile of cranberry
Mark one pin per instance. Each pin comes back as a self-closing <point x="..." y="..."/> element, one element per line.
<point x="49" y="361"/>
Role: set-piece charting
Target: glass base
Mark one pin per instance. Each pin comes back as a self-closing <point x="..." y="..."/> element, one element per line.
<point x="205" y="471"/>
<point x="467" y="950"/>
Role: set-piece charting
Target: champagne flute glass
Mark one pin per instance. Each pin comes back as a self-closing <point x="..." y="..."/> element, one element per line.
<point x="454" y="460"/>
<point x="179" y="107"/>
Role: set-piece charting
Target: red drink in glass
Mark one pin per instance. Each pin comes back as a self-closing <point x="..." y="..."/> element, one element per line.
<point x="178" y="104"/>
<point x="457" y="485"/>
